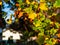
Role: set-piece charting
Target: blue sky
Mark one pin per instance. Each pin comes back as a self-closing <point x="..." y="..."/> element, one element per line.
<point x="7" y="9"/>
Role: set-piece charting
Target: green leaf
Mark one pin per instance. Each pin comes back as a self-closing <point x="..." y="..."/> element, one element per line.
<point x="20" y="2"/>
<point x="35" y="28"/>
<point x="6" y="0"/>
<point x="40" y="40"/>
<point x="57" y="25"/>
<point x="53" y="31"/>
<point x="44" y="24"/>
<point x="42" y="17"/>
<point x="4" y="14"/>
<point x="36" y="6"/>
<point x="28" y="10"/>
<point x="47" y="32"/>
<point x="57" y="3"/>
<point x="47" y="20"/>
<point x="49" y="41"/>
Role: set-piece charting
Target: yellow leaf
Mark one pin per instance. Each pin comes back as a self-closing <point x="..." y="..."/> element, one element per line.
<point x="46" y="38"/>
<point x="59" y="24"/>
<point x="27" y="1"/>
<point x="49" y="16"/>
<point x="42" y="0"/>
<point x="54" y="41"/>
<point x="37" y="24"/>
<point x="43" y="6"/>
<point x="0" y="3"/>
<point x="32" y="15"/>
<point x="9" y="22"/>
<point x="16" y="20"/>
<point x="33" y="2"/>
<point x="51" y="22"/>
<point x="19" y="9"/>
<point x="54" y="14"/>
<point x="47" y="44"/>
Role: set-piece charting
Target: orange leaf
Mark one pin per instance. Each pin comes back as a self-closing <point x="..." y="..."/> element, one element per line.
<point x="58" y="35"/>
<point x="17" y="4"/>
<point x="20" y="14"/>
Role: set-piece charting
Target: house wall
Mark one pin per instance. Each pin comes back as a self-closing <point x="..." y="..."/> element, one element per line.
<point x="15" y="35"/>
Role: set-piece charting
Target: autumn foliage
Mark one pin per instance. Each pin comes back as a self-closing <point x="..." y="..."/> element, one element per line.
<point x="41" y="17"/>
